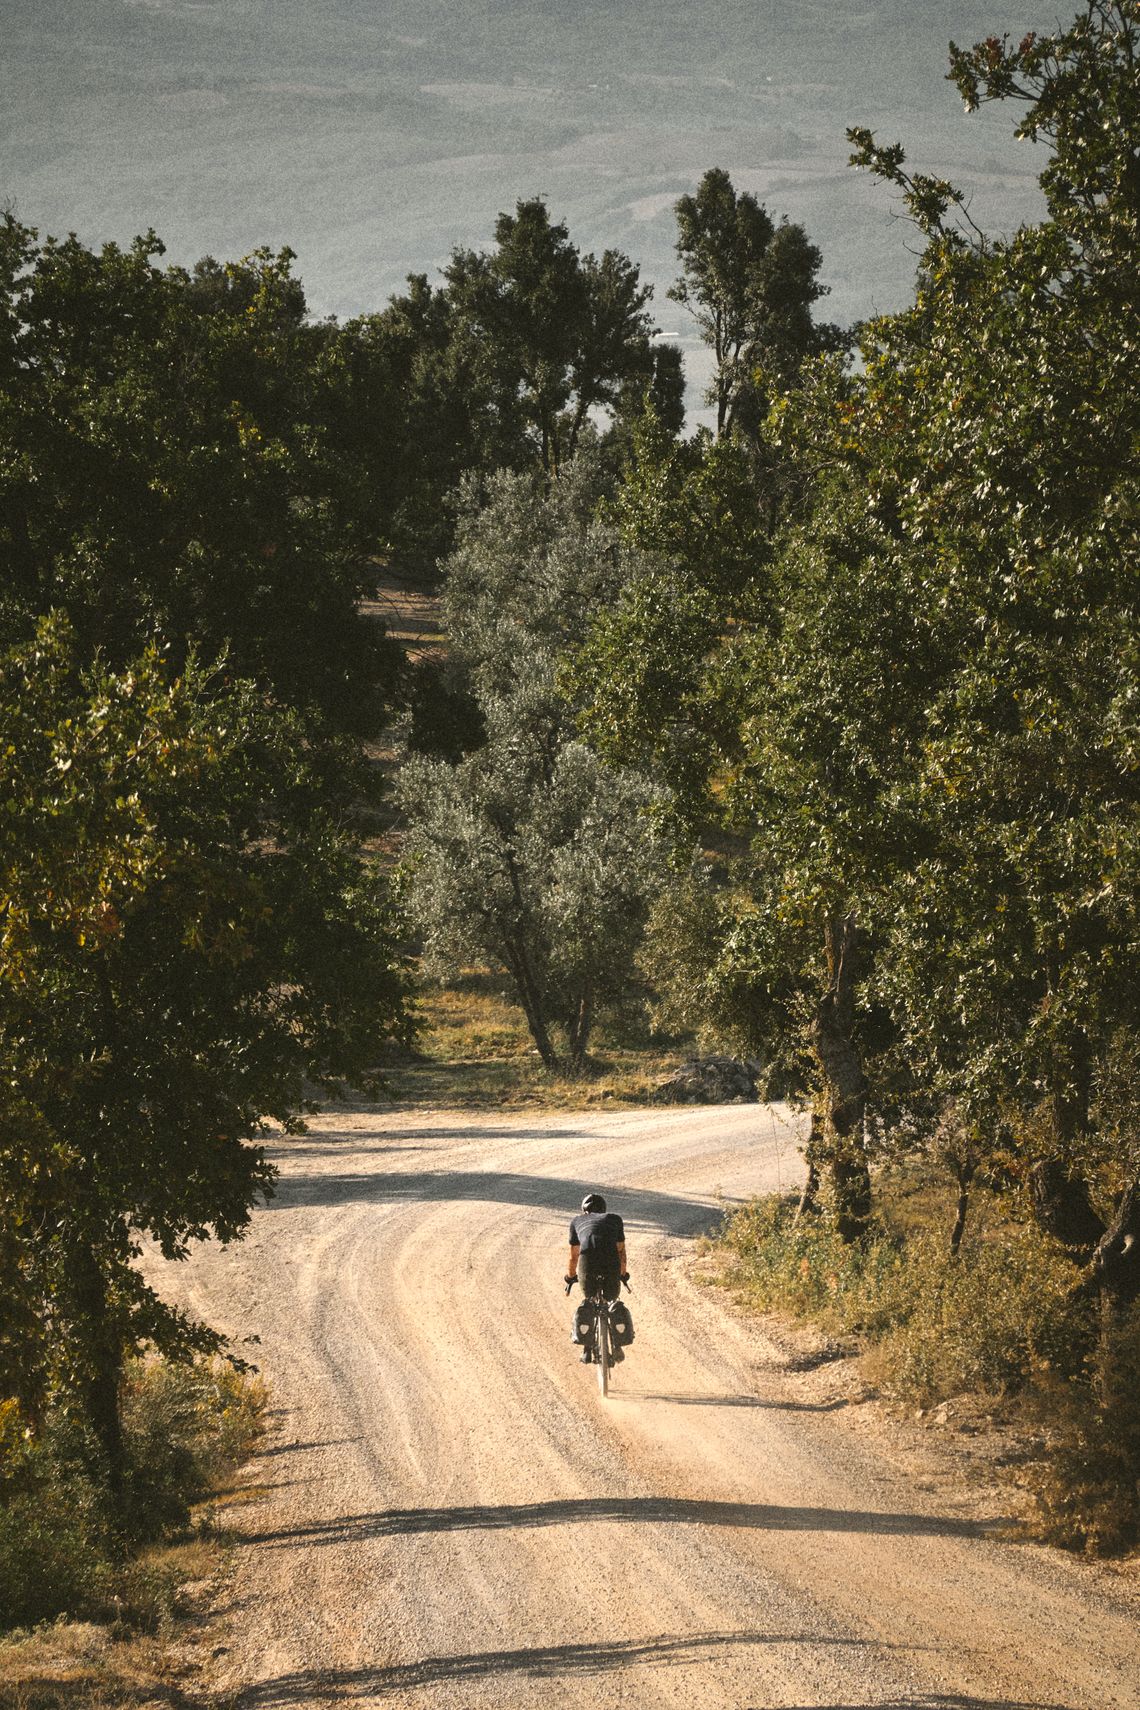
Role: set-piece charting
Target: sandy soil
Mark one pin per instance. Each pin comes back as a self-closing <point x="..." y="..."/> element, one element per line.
<point x="452" y="1516"/>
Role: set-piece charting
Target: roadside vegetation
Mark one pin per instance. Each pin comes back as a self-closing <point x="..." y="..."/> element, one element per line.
<point x="997" y="1325"/>
<point x="94" y="1590"/>
<point x="814" y="736"/>
<point x="473" y="1048"/>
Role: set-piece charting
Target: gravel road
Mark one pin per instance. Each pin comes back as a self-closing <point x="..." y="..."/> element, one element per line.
<point x="450" y="1515"/>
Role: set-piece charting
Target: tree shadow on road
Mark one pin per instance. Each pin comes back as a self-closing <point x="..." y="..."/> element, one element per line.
<point x="557" y="1195"/>
<point x="546" y="1662"/>
<point x="580" y="1511"/>
<point x="540" y="1662"/>
<point x="766" y="1402"/>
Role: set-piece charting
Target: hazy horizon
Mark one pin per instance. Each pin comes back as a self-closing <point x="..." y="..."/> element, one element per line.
<point x="374" y="137"/>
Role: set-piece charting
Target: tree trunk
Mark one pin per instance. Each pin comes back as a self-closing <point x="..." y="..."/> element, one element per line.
<point x="1114" y="1269"/>
<point x="576" y="428"/>
<point x="965" y="1174"/>
<point x="517" y="964"/>
<point x="1063" y="1208"/>
<point x="809" y="1198"/>
<point x="579" y="1030"/>
<point x="516" y="958"/>
<point x="99" y="1355"/>
<point x="845" y="1085"/>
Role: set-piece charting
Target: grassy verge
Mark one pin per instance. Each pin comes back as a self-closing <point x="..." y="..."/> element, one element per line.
<point x="90" y="1598"/>
<point x="999" y="1323"/>
<point x="475" y="1050"/>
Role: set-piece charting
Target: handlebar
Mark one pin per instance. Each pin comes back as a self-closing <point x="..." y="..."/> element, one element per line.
<point x="569" y="1281"/>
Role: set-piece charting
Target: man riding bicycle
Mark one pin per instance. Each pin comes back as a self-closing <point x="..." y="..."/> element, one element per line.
<point x="597" y="1260"/>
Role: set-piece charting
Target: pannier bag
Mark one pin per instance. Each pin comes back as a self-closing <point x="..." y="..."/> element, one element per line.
<point x="622" y="1321"/>
<point x="584" y="1325"/>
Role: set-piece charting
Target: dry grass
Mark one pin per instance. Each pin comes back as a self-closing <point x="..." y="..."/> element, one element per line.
<point x="81" y="1665"/>
<point x="136" y="1629"/>
<point x="474" y="1050"/>
<point x="999" y="1335"/>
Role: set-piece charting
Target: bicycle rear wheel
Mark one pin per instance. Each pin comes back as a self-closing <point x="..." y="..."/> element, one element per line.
<point x="602" y="1349"/>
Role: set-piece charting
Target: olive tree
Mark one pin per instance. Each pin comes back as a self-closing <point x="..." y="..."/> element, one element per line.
<point x="530" y="851"/>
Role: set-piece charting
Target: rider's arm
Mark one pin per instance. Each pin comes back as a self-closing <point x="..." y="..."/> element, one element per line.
<point x="621" y="1257"/>
<point x="572" y="1261"/>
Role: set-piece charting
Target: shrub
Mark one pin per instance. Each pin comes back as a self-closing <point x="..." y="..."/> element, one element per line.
<point x="185" y="1426"/>
<point x="64" y="1550"/>
<point x="49" y="1559"/>
<point x="1002" y="1317"/>
<point x="1088" y="1490"/>
<point x="938" y="1325"/>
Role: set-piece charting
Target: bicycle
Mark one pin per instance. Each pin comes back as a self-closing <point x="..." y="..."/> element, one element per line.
<point x="603" y="1337"/>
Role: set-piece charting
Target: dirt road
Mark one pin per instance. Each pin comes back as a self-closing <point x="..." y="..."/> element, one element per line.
<point x="453" y="1517"/>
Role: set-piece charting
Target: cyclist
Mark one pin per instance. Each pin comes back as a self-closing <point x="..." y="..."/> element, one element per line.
<point x="597" y="1258"/>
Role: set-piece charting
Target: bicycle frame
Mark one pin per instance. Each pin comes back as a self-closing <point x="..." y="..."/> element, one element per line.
<point x="603" y="1337"/>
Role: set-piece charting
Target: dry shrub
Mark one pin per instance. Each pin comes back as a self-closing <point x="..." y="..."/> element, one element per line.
<point x="937" y="1325"/>
<point x="1001" y="1318"/>
<point x="1088" y="1490"/>
<point x="63" y="1549"/>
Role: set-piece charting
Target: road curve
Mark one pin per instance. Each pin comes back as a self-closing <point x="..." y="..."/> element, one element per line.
<point x="450" y="1515"/>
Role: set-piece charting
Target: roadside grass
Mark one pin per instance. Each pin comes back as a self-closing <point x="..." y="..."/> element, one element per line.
<point x="474" y="1050"/>
<point x="98" y="1608"/>
<point x="998" y="1327"/>
<point x="110" y="1663"/>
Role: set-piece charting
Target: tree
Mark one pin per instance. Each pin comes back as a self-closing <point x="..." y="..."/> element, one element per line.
<point x="414" y="421"/>
<point x="1001" y="422"/>
<point x="652" y="673"/>
<point x="170" y="448"/>
<point x="750" y="285"/>
<point x="540" y="865"/>
<point x="188" y="937"/>
<point x="551" y="335"/>
<point x="937" y="749"/>
<point x="530" y="851"/>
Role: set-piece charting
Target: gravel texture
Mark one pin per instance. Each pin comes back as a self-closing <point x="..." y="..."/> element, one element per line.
<point x="448" y="1513"/>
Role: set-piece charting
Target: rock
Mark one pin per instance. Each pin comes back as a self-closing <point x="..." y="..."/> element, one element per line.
<point x="709" y="1080"/>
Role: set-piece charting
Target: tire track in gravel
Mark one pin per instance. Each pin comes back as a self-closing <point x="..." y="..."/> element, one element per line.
<point x="454" y="1518"/>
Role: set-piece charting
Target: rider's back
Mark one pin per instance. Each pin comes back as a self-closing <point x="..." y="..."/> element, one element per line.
<point x="598" y="1234"/>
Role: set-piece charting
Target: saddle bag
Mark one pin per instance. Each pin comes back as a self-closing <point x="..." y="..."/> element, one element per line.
<point x="584" y="1325"/>
<point x="621" y="1320"/>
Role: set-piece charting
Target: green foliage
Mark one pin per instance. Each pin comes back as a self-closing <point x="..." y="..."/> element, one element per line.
<point x="550" y="335"/>
<point x="189" y="936"/>
<point x="531" y="852"/>
<point x="998" y="430"/>
<point x="62" y="1549"/>
<point x="656" y="673"/>
<point x="531" y="565"/>
<point x="750" y="285"/>
<point x="172" y="457"/>
<point x="927" y="730"/>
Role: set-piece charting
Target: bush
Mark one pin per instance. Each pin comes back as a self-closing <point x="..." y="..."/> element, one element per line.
<point x="1001" y="1318"/>
<point x="64" y="1550"/>
<point x="938" y="1325"/>
<point x="1088" y="1491"/>
<point x="185" y="1427"/>
<point x="49" y="1559"/>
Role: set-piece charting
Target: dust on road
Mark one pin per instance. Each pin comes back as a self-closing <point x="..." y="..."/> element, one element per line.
<point x="452" y="1516"/>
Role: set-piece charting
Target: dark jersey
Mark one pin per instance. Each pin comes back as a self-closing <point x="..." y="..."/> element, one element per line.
<point x="598" y="1234"/>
